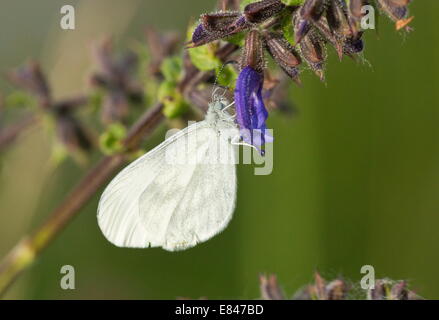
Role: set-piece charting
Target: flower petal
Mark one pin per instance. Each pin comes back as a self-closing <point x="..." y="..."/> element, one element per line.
<point x="250" y="109"/>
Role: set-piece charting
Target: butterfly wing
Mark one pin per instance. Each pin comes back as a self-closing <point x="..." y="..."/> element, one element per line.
<point x="177" y="195"/>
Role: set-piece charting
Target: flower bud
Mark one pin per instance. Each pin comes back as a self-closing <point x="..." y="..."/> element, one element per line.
<point x="312" y="9"/>
<point x="219" y="21"/>
<point x="301" y="28"/>
<point x="336" y="290"/>
<point x="31" y="78"/>
<point x="258" y="12"/>
<point x="284" y="54"/>
<point x="399" y="291"/>
<point x="217" y="26"/>
<point x="395" y="9"/>
<point x="355" y="8"/>
<point x="253" y="52"/>
<point x="355" y="15"/>
<point x="334" y="39"/>
<point x="353" y="45"/>
<point x="338" y="20"/>
<point x="386" y="289"/>
<point x="313" y="51"/>
<point x="71" y="133"/>
<point x="270" y="289"/>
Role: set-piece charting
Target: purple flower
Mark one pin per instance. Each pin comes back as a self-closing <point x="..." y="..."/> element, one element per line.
<point x="250" y="109"/>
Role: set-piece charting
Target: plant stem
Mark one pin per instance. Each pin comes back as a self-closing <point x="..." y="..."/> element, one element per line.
<point x="26" y="251"/>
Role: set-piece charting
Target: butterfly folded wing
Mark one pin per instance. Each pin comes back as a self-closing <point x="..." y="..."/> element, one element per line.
<point x="118" y="208"/>
<point x="176" y="196"/>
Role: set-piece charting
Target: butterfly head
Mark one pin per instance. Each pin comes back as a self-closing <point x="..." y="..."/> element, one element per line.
<point x="218" y="110"/>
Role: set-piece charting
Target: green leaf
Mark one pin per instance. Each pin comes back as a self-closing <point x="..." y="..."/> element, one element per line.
<point x="59" y="153"/>
<point x="173" y="101"/>
<point x="237" y="39"/>
<point x="175" y="108"/>
<point x="143" y="52"/>
<point x="19" y="99"/>
<point x="203" y="57"/>
<point x="288" y="32"/>
<point x="288" y="29"/>
<point x="110" y="141"/>
<point x="171" y="68"/>
<point x="95" y="100"/>
<point x="167" y="90"/>
<point x="227" y="76"/>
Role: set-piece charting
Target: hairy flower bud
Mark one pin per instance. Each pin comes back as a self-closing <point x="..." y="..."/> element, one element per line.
<point x="284" y="54"/>
<point x="215" y="22"/>
<point x="253" y="52"/>
<point x="396" y="9"/>
<point x="315" y="23"/>
<point x="313" y="51"/>
<point x="270" y="289"/>
<point x="355" y="8"/>
<point x="386" y="289"/>
<point x="68" y="129"/>
<point x="353" y="45"/>
<point x="31" y="78"/>
<point x="355" y="14"/>
<point x="216" y="26"/>
<point x="258" y="12"/>
<point x="301" y="28"/>
<point x="312" y="9"/>
<point x="116" y="77"/>
<point x="72" y="134"/>
<point x="335" y="39"/>
<point x="336" y="290"/>
<point x="333" y="16"/>
<point x="337" y="19"/>
<point x="339" y="289"/>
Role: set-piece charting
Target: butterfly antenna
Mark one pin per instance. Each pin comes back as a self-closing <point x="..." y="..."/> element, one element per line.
<point x="228" y="106"/>
<point x="237" y="141"/>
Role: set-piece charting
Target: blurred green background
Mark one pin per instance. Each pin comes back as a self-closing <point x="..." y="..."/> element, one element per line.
<point x="355" y="180"/>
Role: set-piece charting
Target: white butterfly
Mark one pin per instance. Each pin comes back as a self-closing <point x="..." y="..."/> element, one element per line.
<point x="180" y="193"/>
